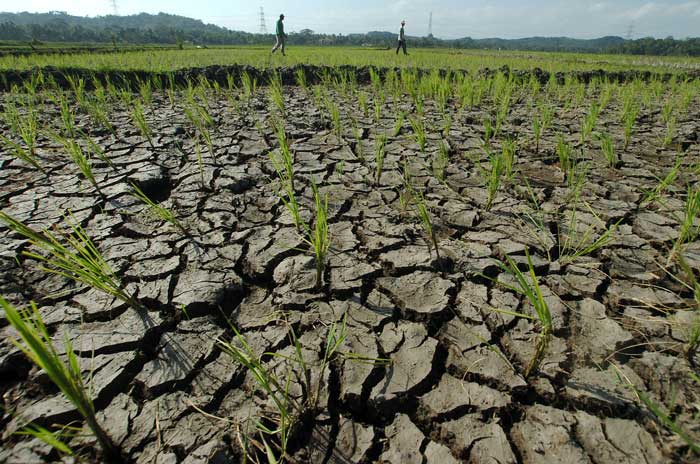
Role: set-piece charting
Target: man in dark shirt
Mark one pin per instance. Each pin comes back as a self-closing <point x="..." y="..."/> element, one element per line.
<point x="281" y="36"/>
<point x="402" y="40"/>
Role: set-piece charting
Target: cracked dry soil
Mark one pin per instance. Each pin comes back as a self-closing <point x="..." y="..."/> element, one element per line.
<point x="453" y="389"/>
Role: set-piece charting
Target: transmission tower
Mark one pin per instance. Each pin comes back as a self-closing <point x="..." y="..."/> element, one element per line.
<point x="630" y="32"/>
<point x="113" y="4"/>
<point x="263" y="25"/>
<point x="430" y="26"/>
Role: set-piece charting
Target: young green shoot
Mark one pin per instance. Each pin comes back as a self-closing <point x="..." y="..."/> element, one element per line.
<point x="318" y="237"/>
<point x="35" y="342"/>
<point x="426" y="220"/>
<point x="159" y="211"/>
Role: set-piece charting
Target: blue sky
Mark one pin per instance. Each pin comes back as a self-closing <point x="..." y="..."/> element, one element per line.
<point x="451" y="18"/>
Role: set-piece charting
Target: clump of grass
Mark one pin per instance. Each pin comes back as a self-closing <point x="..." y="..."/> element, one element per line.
<point x="81" y="160"/>
<point x="426" y="221"/>
<point x="36" y="344"/>
<point x="379" y="153"/>
<point x="318" y="237"/>
<point x="528" y="286"/>
<point x="159" y="211"/>
<point x="75" y="257"/>
<point x="492" y="176"/>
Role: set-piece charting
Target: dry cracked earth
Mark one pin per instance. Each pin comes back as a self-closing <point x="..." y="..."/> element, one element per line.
<point x="446" y="382"/>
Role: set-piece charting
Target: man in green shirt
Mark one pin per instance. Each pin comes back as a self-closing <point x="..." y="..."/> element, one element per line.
<point x="402" y="40"/>
<point x="281" y="36"/>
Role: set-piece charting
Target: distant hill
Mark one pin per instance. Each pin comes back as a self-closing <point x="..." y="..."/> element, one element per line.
<point x="171" y="29"/>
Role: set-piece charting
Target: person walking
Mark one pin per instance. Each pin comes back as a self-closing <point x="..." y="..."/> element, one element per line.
<point x="281" y="36"/>
<point x="402" y="40"/>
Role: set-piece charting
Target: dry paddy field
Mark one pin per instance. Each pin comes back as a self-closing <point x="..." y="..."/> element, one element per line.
<point x="361" y="267"/>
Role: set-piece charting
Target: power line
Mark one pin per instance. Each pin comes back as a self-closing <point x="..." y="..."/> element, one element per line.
<point x="263" y="25"/>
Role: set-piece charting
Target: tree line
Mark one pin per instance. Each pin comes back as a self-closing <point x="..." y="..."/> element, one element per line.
<point x="168" y="29"/>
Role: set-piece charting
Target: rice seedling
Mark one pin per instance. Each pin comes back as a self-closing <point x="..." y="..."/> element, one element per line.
<point x="441" y="160"/>
<point x="630" y="113"/>
<point x="35" y="342"/>
<point x="67" y="117"/>
<point x="362" y="103"/>
<point x="398" y="124"/>
<point x="318" y="238"/>
<point x="665" y="183"/>
<point x="379" y="153"/>
<point x="589" y="122"/>
<point x="508" y="153"/>
<point x="22" y="154"/>
<point x="56" y="440"/>
<point x="359" y="148"/>
<point x="488" y="133"/>
<point x="527" y="285"/>
<point x="446" y="125"/>
<point x="665" y="418"/>
<point x="493" y="177"/>
<point x="300" y="78"/>
<point x="566" y="156"/>
<point x="577" y="244"/>
<point x="146" y="93"/>
<point x="276" y="95"/>
<point x="334" y="112"/>
<point x="250" y="85"/>
<point x="690" y="223"/>
<point x="670" y="131"/>
<point x="81" y="160"/>
<point x="157" y="210"/>
<point x="426" y="220"/>
<point x="98" y="152"/>
<point x="139" y="120"/>
<point x="419" y="133"/>
<point x="607" y="147"/>
<point x="378" y="111"/>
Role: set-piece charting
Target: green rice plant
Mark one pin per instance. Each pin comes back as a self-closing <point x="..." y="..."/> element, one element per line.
<point x="379" y="154"/>
<point x="577" y="244"/>
<point x="607" y="147"/>
<point x="630" y="112"/>
<point x="146" y="93"/>
<point x="426" y="220"/>
<point x="55" y="440"/>
<point x="589" y="122"/>
<point x="334" y="113"/>
<point x="537" y="132"/>
<point x="139" y="120"/>
<point x="81" y="160"/>
<point x="377" y="111"/>
<point x="376" y="81"/>
<point x="488" y="133"/>
<point x="665" y="183"/>
<point x="690" y="223"/>
<point x="670" y="131"/>
<point x="200" y="161"/>
<point x="98" y="152"/>
<point x="508" y="153"/>
<point x="419" y="133"/>
<point x="22" y="154"/>
<point x="362" y="103"/>
<point x="318" y="238"/>
<point x="359" y="148"/>
<point x="250" y="85"/>
<point x="527" y="285"/>
<point x="67" y="117"/>
<point x="35" y="342"/>
<point x="493" y="177"/>
<point x="446" y="125"/>
<point x="276" y="95"/>
<point x="441" y="160"/>
<point x="159" y="211"/>
<point x="284" y="164"/>
<point x="206" y="135"/>
<point x="566" y="156"/>
<point x="503" y="110"/>
<point x="665" y="418"/>
<point x="398" y="124"/>
<point x="300" y="78"/>
<point x="27" y="128"/>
